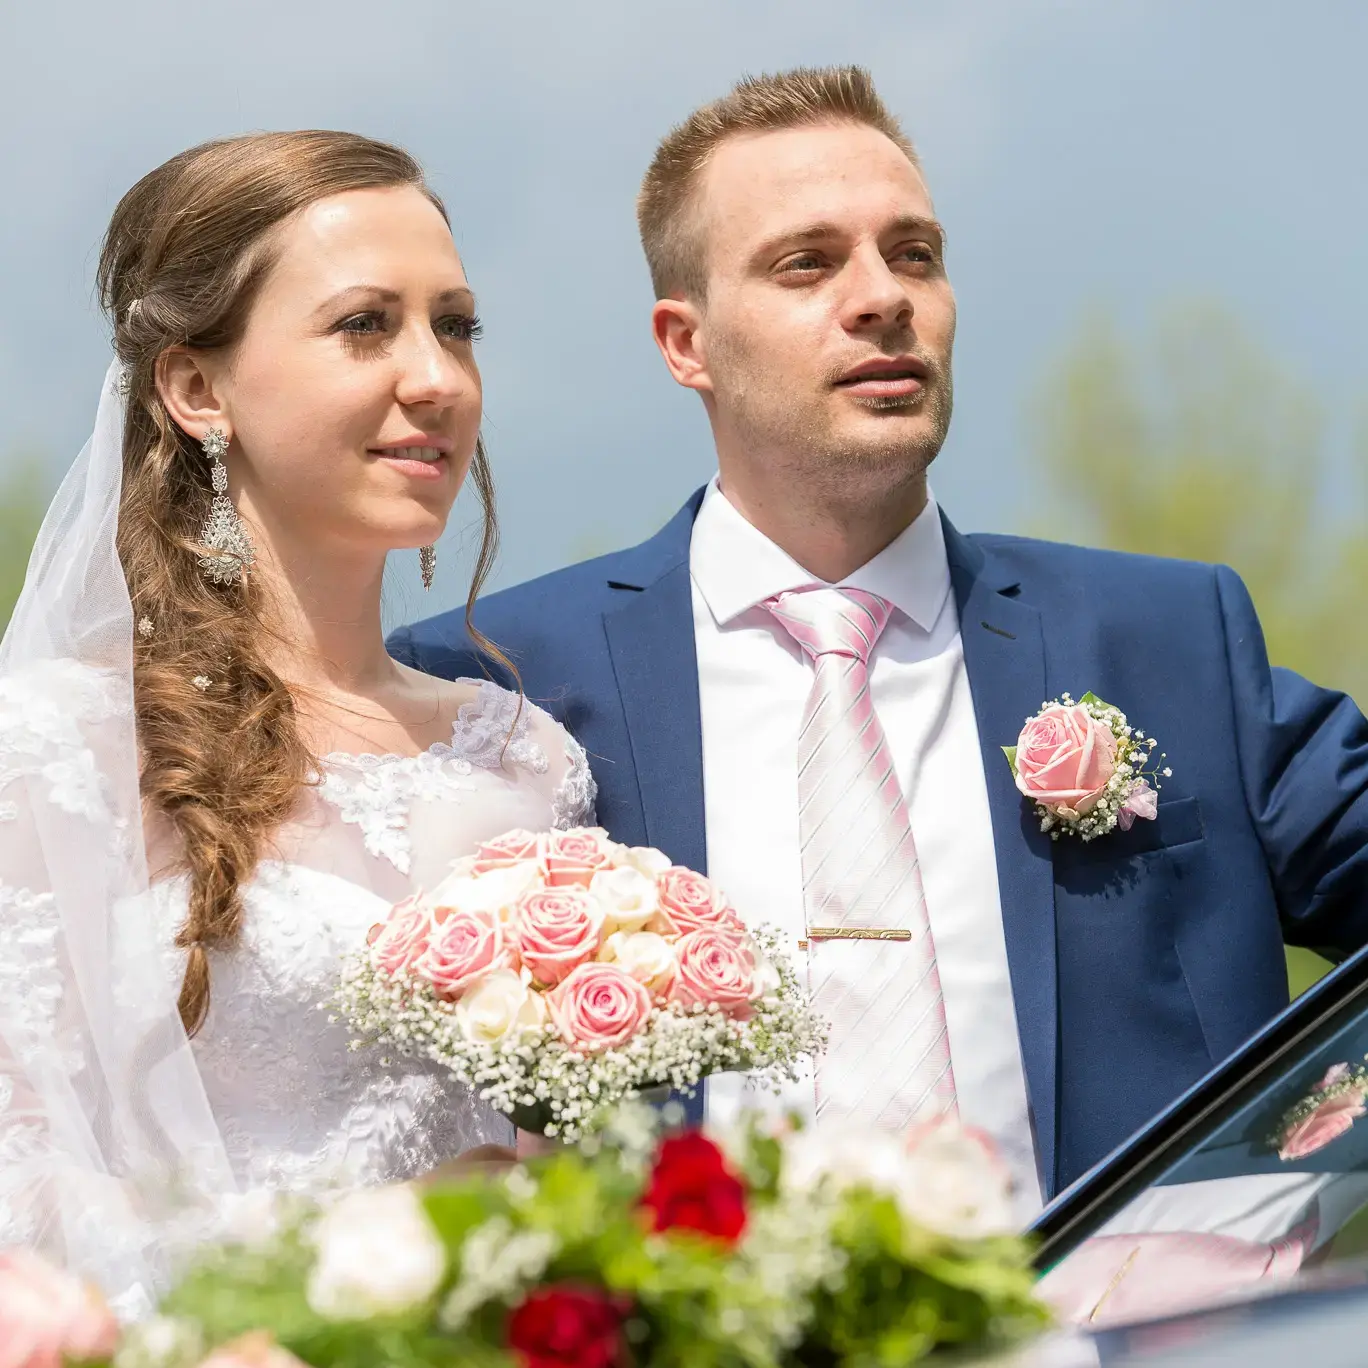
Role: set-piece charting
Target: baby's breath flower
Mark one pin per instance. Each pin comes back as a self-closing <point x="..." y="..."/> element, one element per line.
<point x="677" y="1047"/>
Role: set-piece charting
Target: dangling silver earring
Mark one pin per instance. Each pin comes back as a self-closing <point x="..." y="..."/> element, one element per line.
<point x="427" y="564"/>
<point x="228" y="551"/>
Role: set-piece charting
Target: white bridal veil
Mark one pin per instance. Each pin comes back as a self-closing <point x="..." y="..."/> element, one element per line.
<point x="109" y="1152"/>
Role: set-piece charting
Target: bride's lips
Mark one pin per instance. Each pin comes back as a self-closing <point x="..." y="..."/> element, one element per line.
<point x="421" y="456"/>
<point x="885" y="377"/>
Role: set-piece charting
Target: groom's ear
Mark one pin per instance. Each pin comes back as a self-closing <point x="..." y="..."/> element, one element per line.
<point x="677" y="326"/>
<point x="186" y="382"/>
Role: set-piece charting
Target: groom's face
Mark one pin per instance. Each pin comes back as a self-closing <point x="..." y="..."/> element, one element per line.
<point x="829" y="319"/>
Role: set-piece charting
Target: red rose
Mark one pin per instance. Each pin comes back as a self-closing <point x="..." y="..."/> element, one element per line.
<point x="568" y="1326"/>
<point x="692" y="1188"/>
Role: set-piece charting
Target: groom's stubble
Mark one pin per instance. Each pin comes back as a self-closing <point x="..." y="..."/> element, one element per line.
<point x="791" y="424"/>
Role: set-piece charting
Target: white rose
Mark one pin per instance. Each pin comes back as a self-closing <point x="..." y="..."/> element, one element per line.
<point x="767" y="981"/>
<point x="942" y="1177"/>
<point x="956" y="1183"/>
<point x="498" y="1004"/>
<point x="377" y="1254"/>
<point x="648" y="958"/>
<point x="627" y="896"/>
<point x="843" y="1156"/>
<point x="496" y="891"/>
<point x="645" y="860"/>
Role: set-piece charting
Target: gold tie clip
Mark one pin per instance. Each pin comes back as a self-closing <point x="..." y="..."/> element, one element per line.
<point x="823" y="933"/>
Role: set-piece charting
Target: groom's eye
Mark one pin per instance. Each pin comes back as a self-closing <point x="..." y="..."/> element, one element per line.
<point x="802" y="264"/>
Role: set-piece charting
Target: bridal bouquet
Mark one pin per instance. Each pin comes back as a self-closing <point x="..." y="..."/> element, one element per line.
<point x="743" y="1250"/>
<point x="558" y="974"/>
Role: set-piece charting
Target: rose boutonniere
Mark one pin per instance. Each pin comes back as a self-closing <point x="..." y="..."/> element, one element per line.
<point x="1323" y="1115"/>
<point x="1086" y="769"/>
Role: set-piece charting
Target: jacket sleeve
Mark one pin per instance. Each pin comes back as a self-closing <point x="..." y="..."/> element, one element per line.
<point x="1303" y="754"/>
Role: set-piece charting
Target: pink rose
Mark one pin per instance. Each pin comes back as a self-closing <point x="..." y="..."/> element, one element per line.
<point x="48" y="1317"/>
<point x="689" y="902"/>
<point x="1064" y="759"/>
<point x="716" y="968"/>
<point x="462" y="945"/>
<point x="1328" y="1122"/>
<point x="598" y="1007"/>
<point x="575" y="856"/>
<point x="511" y="848"/>
<point x="555" y="930"/>
<point x="257" y="1350"/>
<point x="1142" y="801"/>
<point x="395" y="944"/>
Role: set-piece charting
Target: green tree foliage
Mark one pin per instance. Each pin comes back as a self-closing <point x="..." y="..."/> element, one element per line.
<point x="1195" y="441"/>
<point x="23" y="500"/>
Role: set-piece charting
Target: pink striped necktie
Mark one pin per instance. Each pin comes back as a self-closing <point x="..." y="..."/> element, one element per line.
<point x="875" y="979"/>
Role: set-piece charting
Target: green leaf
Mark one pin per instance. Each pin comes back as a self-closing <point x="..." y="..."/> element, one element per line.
<point x="1010" y="753"/>
<point x="1091" y="697"/>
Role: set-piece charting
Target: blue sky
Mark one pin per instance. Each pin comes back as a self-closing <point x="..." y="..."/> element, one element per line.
<point x="1113" y="153"/>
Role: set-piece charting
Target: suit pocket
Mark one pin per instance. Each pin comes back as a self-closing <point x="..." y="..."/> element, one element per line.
<point x="1179" y="822"/>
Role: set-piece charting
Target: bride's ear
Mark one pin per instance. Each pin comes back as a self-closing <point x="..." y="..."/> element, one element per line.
<point x="186" y="381"/>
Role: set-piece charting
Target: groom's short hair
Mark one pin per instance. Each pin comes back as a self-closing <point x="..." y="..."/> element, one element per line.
<point x="666" y="208"/>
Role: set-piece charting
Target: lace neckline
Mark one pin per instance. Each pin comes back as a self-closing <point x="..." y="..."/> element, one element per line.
<point x="375" y="792"/>
<point x="442" y="750"/>
<point x="487" y="694"/>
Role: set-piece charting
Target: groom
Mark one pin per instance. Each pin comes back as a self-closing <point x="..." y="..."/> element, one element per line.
<point x="804" y="682"/>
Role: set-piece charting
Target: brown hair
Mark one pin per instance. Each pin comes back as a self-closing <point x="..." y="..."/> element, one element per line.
<point x="187" y="250"/>
<point x="666" y="206"/>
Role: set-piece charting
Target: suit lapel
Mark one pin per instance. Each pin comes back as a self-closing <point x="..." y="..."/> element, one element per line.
<point x="1004" y="655"/>
<point x="651" y="642"/>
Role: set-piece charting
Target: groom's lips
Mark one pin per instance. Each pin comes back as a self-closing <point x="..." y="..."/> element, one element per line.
<point x="885" y="377"/>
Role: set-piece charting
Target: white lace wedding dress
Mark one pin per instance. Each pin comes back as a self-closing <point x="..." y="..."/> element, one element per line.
<point x="296" y="1107"/>
<point x="270" y="1096"/>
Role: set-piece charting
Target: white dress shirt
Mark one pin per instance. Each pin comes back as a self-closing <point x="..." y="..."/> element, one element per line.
<point x="753" y="685"/>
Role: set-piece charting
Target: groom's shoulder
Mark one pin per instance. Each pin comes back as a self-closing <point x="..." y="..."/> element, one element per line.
<point x="1084" y="575"/>
<point x="549" y="604"/>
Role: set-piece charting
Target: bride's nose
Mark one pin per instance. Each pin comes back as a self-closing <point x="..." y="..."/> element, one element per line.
<point x="428" y="373"/>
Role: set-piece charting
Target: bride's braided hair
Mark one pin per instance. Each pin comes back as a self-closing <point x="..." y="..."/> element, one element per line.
<point x="185" y="255"/>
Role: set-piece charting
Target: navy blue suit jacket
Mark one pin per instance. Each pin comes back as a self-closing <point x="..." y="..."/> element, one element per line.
<point x="1137" y="961"/>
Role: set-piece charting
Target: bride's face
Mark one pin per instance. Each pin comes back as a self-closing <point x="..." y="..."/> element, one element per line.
<point x="353" y="396"/>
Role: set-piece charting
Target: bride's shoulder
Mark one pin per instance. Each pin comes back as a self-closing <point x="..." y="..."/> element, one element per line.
<point x="51" y="700"/>
<point x="499" y="728"/>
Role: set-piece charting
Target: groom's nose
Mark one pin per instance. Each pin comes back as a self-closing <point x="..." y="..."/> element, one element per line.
<point x="875" y="296"/>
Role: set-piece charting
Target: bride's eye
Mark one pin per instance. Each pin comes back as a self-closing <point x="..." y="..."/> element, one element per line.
<point x="461" y="327"/>
<point x="362" y="324"/>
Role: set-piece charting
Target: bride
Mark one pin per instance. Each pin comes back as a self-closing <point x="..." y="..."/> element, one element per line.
<point x="213" y="779"/>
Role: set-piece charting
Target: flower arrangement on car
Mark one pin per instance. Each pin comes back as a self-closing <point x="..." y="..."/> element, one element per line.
<point x="749" y="1248"/>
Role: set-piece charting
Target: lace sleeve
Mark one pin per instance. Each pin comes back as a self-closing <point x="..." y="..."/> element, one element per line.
<point x="501" y="729"/>
<point x="101" y="1111"/>
<point x="572" y="803"/>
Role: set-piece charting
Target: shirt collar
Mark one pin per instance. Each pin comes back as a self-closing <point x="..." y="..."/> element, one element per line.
<point x="736" y="566"/>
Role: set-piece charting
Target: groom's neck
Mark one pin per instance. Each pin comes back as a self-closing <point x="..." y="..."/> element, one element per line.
<point x="831" y="525"/>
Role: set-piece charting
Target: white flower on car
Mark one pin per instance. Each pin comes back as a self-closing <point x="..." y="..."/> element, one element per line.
<point x="500" y="1003"/>
<point x="941" y="1175"/>
<point x="648" y="958"/>
<point x="376" y="1254"/>
<point x="957" y="1182"/>
<point x="627" y="896"/>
